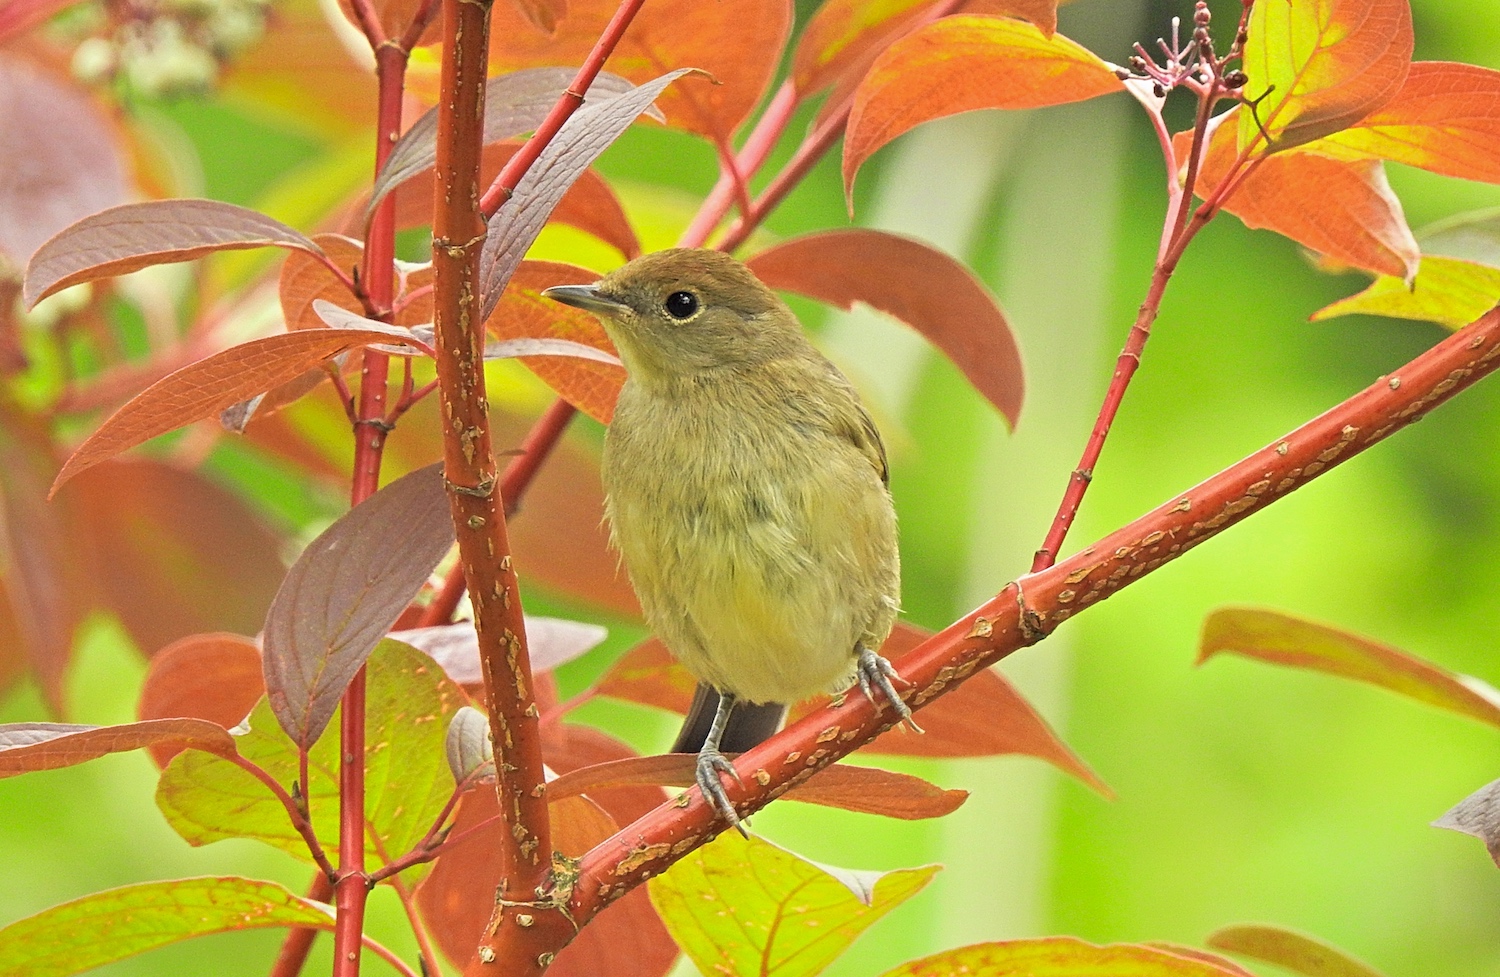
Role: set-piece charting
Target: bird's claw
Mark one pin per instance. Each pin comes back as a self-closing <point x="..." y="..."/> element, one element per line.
<point x="711" y="764"/>
<point x="874" y="672"/>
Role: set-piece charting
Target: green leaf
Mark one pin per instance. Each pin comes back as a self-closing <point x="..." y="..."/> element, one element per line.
<point x="1282" y="639"/>
<point x="1065" y="956"/>
<point x="1286" y="948"/>
<point x="1448" y="291"/>
<point x="118" y="923"/>
<point x="745" y="906"/>
<point x="409" y="704"/>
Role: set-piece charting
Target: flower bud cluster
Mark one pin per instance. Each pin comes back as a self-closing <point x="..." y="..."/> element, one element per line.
<point x="169" y="48"/>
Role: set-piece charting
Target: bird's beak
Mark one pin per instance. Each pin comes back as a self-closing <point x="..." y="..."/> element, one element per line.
<point x="585" y="297"/>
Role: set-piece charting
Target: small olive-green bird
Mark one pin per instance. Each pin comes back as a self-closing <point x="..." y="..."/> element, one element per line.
<point x="747" y="493"/>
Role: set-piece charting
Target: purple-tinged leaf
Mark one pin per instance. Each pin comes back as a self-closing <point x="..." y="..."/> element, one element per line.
<point x="514" y="103"/>
<point x="552" y="642"/>
<point x="587" y="134"/>
<point x="60" y="156"/>
<point x="205" y="388"/>
<point x="1477" y="815"/>
<point x="25" y="747"/>
<point x="468" y="744"/>
<point x="157" y="232"/>
<point x="1295" y="951"/>
<point x="344" y="593"/>
<point x="117" y="923"/>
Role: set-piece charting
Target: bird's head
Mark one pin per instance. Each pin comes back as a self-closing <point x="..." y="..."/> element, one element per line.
<point x="678" y="312"/>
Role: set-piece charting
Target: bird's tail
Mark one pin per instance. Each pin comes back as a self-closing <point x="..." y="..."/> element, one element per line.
<point x="749" y="724"/>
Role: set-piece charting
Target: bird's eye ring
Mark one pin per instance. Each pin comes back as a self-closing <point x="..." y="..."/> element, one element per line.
<point x="681" y="305"/>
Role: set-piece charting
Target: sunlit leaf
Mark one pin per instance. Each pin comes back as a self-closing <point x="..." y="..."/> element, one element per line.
<point x="1319" y="66"/>
<point x="25" y="747"/>
<point x="1477" y="815"/>
<point x="845" y="36"/>
<point x="514" y="103"/>
<point x="524" y="313"/>
<point x="117" y="923"/>
<point x="963" y="63"/>
<point x="1341" y="208"/>
<point x="1445" y="118"/>
<point x="1285" y="640"/>
<point x="745" y="906"/>
<point x="1286" y="948"/>
<point x="176" y="553"/>
<point x="156" y="232"/>
<point x="867" y="790"/>
<point x="921" y="286"/>
<point x="586" y="134"/>
<point x="410" y="704"/>
<point x="216" y="677"/>
<point x="208" y="386"/>
<point x="1064" y="956"/>
<point x="61" y="157"/>
<point x="739" y="44"/>
<point x="1447" y="291"/>
<point x="344" y="593"/>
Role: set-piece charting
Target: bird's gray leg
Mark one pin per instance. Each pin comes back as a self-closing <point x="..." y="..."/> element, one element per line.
<point x="874" y="673"/>
<point x="712" y="763"/>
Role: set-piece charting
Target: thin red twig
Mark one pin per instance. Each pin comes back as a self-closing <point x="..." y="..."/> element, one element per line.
<point x="751" y="157"/>
<point x="298" y="943"/>
<point x="294" y="812"/>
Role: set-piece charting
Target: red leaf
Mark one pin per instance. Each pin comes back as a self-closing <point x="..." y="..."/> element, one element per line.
<point x="1320" y="66"/>
<point x="456" y="898"/>
<point x="25" y="747"/>
<point x="1344" y="209"/>
<point x="1286" y="948"/>
<point x="866" y="790"/>
<point x="1445" y="118"/>
<point x="738" y="43"/>
<point x="587" y="133"/>
<point x="959" y="64"/>
<point x="522" y="312"/>
<point x="1282" y="639"/>
<point x="305" y="278"/>
<point x="344" y="593"/>
<point x="216" y="677"/>
<point x="60" y="155"/>
<point x="156" y="232"/>
<point x="921" y="286"/>
<point x="845" y="36"/>
<point x="212" y="384"/>
<point x="543" y="14"/>
<point x="648" y="674"/>
<point x="567" y="747"/>
<point x="175" y="553"/>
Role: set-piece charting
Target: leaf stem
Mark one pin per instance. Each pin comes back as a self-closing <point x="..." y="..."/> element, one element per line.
<point x="298" y="943"/>
<point x="424" y="942"/>
<point x="294" y="812"/>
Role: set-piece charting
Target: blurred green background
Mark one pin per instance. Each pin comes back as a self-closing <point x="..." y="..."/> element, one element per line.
<point x="1245" y="792"/>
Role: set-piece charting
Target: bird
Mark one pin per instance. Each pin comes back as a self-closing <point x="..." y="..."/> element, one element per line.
<point x="748" y="494"/>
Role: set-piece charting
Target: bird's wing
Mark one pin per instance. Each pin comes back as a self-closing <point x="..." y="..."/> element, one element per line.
<point x="855" y="423"/>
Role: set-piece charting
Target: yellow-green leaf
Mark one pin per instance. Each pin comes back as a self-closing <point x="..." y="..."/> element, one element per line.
<point x="1066" y="956"/>
<point x="1448" y="291"/>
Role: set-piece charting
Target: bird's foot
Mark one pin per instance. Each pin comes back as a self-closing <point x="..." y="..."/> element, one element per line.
<point x="711" y="764"/>
<point x="874" y="672"/>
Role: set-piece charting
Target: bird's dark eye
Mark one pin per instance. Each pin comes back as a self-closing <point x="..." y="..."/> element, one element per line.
<point x="681" y="305"/>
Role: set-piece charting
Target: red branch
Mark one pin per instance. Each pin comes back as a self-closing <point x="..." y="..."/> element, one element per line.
<point x="516" y="167"/>
<point x="1022" y="614"/>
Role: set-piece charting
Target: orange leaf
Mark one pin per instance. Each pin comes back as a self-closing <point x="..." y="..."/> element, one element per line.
<point x="1344" y="209"/>
<point x="648" y="674"/>
<point x="1281" y="639"/>
<point x="867" y="790"/>
<point x="543" y="14"/>
<point x="845" y="36"/>
<point x="1319" y="66"/>
<point x="395" y="16"/>
<point x="160" y="536"/>
<point x="25" y="747"/>
<point x="305" y="278"/>
<point x="567" y="747"/>
<point x="1065" y="956"/>
<point x="959" y="64"/>
<point x="1446" y="119"/>
<point x="216" y="677"/>
<point x="589" y="385"/>
<point x="921" y="286"/>
<point x="208" y="386"/>
<point x="738" y="43"/>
